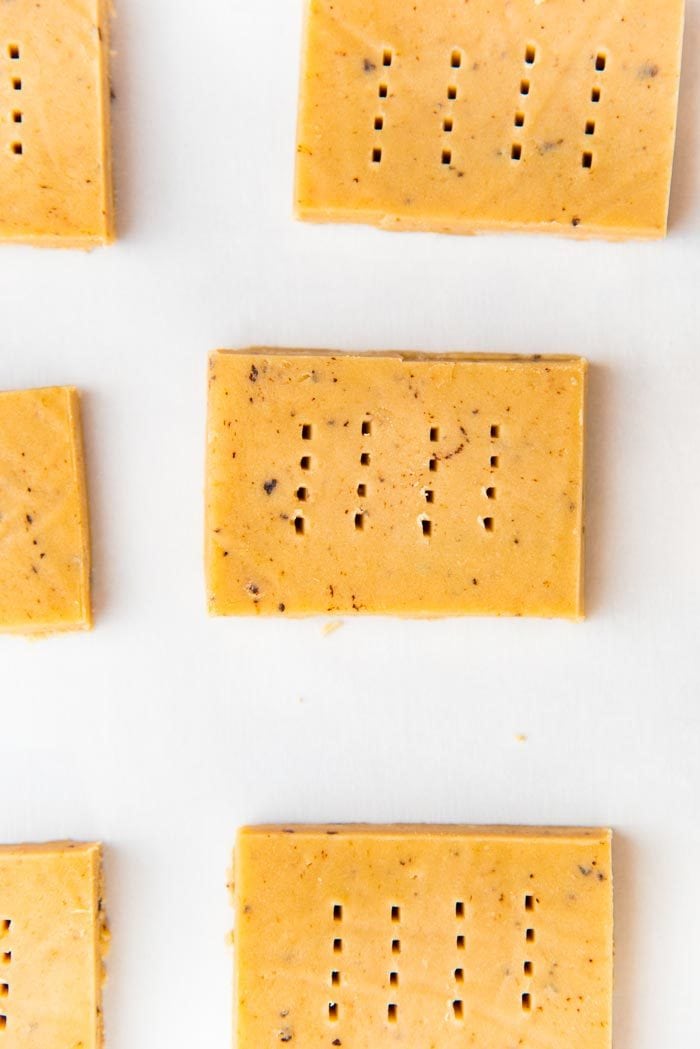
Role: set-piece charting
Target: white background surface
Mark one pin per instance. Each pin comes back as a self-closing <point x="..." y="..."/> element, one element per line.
<point x="162" y="731"/>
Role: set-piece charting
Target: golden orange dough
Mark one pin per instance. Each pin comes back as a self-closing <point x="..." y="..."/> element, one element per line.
<point x="423" y="486"/>
<point x="552" y="116"/>
<point x="44" y="530"/>
<point x="55" y="154"/>
<point x="53" y="939"/>
<point x="436" y="937"/>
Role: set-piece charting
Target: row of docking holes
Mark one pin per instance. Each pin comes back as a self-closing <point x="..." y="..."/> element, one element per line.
<point x="383" y="93"/>
<point x="448" y="123"/>
<point x="516" y="150"/>
<point x="424" y="520"/>
<point x="392" y="1009"/>
<point x="13" y="52"/>
<point x="5" y="960"/>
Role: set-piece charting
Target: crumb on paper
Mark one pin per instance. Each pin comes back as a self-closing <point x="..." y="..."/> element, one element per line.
<point x="520" y="737"/>
<point x="332" y="626"/>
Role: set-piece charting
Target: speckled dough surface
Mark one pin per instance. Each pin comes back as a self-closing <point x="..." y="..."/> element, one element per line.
<point x="388" y="484"/>
<point x="53" y="939"/>
<point x="55" y="157"/>
<point x="44" y="532"/>
<point x="556" y="116"/>
<point x="433" y="937"/>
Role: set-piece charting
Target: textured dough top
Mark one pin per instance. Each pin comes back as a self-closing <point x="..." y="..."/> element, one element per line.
<point x="419" y="486"/>
<point x="44" y="530"/>
<point x="556" y="116"/>
<point x="55" y="157"/>
<point x="373" y="937"/>
<point x="52" y="942"/>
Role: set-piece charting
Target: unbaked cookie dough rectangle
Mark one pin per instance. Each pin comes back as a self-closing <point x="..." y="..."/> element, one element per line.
<point x="371" y="936"/>
<point x="53" y="939"/>
<point x="44" y="528"/>
<point x="55" y="154"/>
<point x="466" y="117"/>
<point x="394" y="484"/>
